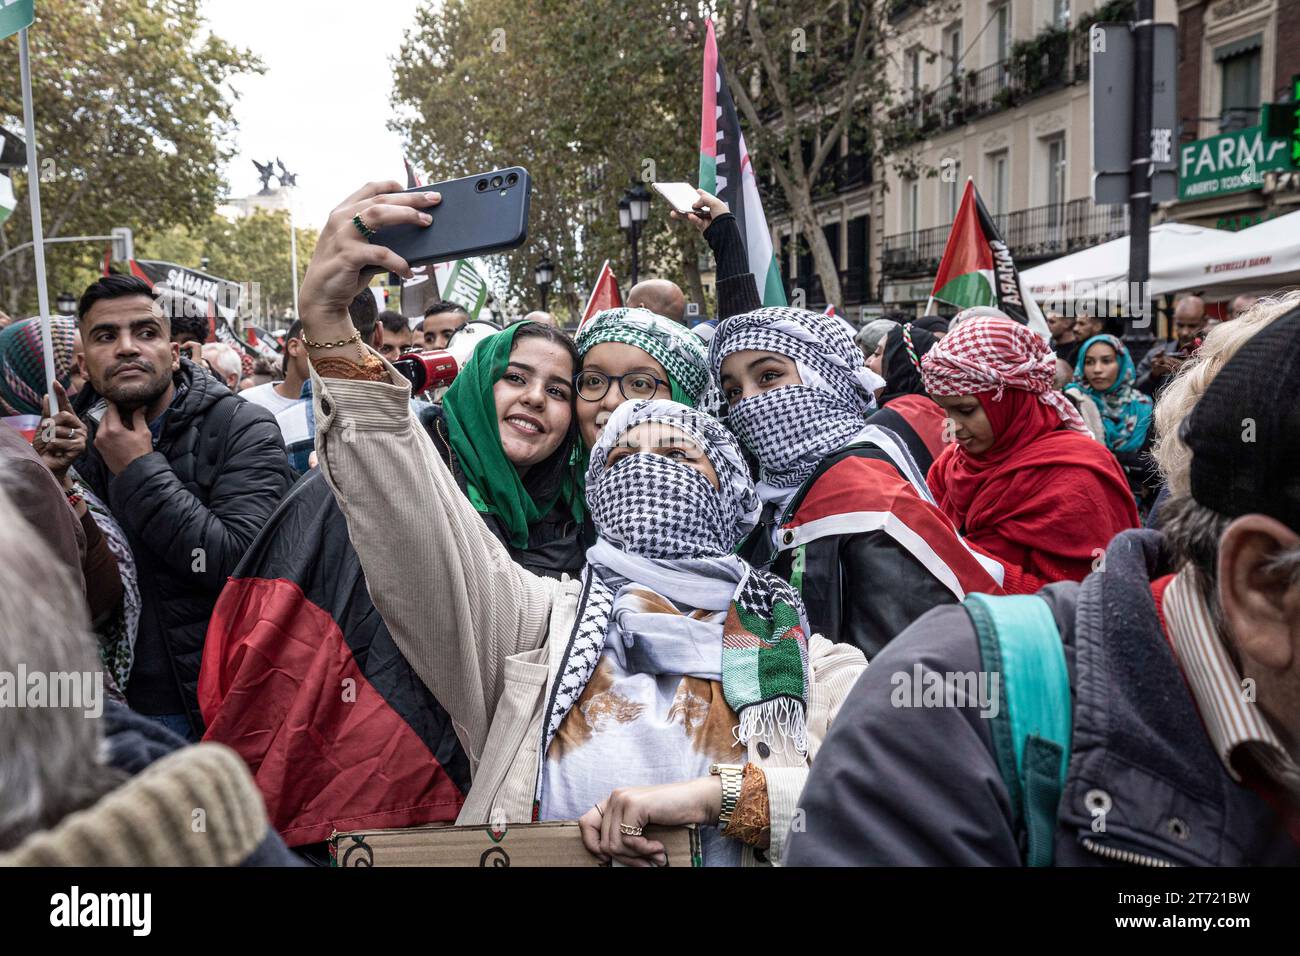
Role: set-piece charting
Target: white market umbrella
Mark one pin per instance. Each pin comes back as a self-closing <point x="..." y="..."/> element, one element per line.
<point x="1261" y="259"/>
<point x="1103" y="270"/>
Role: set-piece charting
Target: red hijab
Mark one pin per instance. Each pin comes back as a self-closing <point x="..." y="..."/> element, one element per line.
<point x="1045" y="497"/>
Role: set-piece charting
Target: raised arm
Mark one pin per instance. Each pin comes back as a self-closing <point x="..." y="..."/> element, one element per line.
<point x="454" y="601"/>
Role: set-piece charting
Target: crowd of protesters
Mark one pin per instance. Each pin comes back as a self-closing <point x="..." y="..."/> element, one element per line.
<point x="646" y="574"/>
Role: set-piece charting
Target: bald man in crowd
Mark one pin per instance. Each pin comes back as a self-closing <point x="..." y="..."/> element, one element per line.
<point x="1160" y="364"/>
<point x="543" y="317"/>
<point x="659" y="296"/>
<point x="1242" y="303"/>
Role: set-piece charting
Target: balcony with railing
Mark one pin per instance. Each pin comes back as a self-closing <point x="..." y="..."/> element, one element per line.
<point x="1051" y="61"/>
<point x="1035" y="234"/>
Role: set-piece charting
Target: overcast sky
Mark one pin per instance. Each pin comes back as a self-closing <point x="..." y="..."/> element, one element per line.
<point x="323" y="102"/>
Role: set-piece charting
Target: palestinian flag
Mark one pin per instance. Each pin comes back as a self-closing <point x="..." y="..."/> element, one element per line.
<point x="7" y="201"/>
<point x="604" y="294"/>
<point x="977" y="267"/>
<point x="301" y="677"/>
<point x="726" y="172"/>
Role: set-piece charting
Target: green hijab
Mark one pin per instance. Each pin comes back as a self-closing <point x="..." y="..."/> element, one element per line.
<point x="492" y="483"/>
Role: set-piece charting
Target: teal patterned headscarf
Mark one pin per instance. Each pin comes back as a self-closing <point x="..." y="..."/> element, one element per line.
<point x="669" y="343"/>
<point x="1125" y="412"/>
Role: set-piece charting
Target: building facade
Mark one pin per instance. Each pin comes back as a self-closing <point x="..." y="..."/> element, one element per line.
<point x="997" y="91"/>
<point x="1235" y="56"/>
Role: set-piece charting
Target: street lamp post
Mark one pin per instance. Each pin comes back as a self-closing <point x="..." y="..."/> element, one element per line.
<point x="544" y="275"/>
<point x="633" y="210"/>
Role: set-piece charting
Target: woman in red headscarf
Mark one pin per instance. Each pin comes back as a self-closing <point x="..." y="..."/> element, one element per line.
<point x="1023" y="480"/>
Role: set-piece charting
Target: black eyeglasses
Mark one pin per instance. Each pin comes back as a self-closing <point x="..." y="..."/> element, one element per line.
<point x="593" y="386"/>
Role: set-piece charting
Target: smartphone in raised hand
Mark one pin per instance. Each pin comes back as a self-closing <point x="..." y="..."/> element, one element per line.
<point x="683" y="197"/>
<point x="487" y="212"/>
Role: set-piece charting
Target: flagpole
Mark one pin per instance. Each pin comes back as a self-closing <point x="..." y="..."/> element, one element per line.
<point x="928" y="306"/>
<point x="293" y="254"/>
<point x="38" y="236"/>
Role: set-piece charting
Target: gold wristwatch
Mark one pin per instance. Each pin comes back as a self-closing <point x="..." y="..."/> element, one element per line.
<point x="733" y="776"/>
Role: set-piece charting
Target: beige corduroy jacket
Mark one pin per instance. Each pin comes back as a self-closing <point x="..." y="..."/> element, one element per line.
<point x="485" y="635"/>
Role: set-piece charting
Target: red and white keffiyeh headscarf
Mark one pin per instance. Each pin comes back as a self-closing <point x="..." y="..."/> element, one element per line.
<point x="990" y="354"/>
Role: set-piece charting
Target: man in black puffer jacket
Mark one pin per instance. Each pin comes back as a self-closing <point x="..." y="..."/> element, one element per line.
<point x="189" y="470"/>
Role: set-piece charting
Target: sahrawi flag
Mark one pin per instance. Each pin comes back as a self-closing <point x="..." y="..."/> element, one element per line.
<point x="977" y="267"/>
<point x="726" y="172"/>
<point x="460" y="283"/>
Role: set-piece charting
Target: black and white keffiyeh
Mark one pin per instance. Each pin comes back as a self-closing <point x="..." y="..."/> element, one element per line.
<point x="792" y="428"/>
<point x="662" y="589"/>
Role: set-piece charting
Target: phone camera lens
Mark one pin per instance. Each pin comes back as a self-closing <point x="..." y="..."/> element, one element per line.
<point x="496" y="182"/>
<point x="481" y="185"/>
<point x="512" y="179"/>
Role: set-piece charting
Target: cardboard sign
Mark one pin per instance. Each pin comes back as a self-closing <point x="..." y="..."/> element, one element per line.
<point x="520" y="844"/>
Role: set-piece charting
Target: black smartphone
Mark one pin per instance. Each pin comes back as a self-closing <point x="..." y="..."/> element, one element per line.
<point x="478" y="215"/>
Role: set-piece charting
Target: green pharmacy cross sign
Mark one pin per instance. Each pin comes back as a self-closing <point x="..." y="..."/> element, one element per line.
<point x="1229" y="163"/>
<point x="15" y="15"/>
<point x="1282" y="120"/>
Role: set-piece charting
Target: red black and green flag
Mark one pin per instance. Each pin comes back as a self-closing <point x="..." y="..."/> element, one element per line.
<point x="302" y="678"/>
<point x="978" y="269"/>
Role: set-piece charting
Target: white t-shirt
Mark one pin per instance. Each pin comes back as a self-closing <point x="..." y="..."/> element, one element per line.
<point x="266" y="396"/>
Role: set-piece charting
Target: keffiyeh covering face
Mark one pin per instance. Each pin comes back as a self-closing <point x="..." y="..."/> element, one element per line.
<point x="988" y="354"/>
<point x="792" y="428"/>
<point x="1125" y="412"/>
<point x="669" y="343"/>
<point x="669" y="613"/>
<point x="22" y="361"/>
<point x="655" y="507"/>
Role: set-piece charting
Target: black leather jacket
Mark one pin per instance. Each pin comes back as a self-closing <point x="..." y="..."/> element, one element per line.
<point x="863" y="588"/>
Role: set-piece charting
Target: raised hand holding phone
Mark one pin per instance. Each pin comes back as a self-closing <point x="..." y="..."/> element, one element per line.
<point x="343" y="252"/>
<point x="706" y="209"/>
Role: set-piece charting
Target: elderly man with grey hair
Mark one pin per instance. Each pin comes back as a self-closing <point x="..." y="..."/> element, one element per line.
<point x="84" y="781"/>
<point x="224" y="362"/>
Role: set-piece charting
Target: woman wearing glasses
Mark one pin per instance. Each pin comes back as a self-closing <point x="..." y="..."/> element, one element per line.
<point x="634" y="355"/>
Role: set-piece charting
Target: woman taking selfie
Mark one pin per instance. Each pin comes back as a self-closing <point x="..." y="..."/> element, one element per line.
<point x="507" y="431"/>
<point x="848" y="520"/>
<point x="559" y="689"/>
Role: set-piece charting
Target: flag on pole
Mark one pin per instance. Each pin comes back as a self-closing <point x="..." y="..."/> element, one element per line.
<point x="7" y="201"/>
<point x="412" y="177"/>
<point x="977" y="267"/>
<point x="726" y="172"/>
<point x="460" y="283"/>
<point x="604" y="294"/>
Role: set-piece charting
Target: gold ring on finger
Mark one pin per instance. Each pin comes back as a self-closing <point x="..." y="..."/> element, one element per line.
<point x="628" y="830"/>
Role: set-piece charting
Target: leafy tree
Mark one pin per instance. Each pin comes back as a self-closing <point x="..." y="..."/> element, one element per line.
<point x="589" y="97"/>
<point x="804" y="79"/>
<point x="133" y="118"/>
